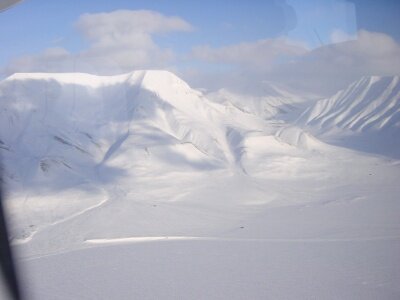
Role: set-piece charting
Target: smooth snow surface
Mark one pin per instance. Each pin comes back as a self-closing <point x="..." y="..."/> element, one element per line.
<point x="139" y="187"/>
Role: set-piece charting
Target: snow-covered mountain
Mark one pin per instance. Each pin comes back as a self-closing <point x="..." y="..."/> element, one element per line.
<point x="204" y="182"/>
<point x="277" y="104"/>
<point x="85" y="136"/>
<point x="368" y="105"/>
<point x="78" y="122"/>
<point x="365" y="116"/>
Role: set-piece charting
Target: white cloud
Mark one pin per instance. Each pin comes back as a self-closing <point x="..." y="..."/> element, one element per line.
<point x="252" y="55"/>
<point x="120" y="25"/>
<point x="119" y="41"/>
<point x="323" y="70"/>
<point x="51" y="60"/>
<point x="328" y="68"/>
<point x="339" y="36"/>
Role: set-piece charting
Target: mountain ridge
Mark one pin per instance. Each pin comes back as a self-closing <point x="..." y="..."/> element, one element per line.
<point x="370" y="103"/>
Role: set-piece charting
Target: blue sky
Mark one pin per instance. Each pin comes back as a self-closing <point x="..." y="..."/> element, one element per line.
<point x="219" y="28"/>
<point x="45" y="23"/>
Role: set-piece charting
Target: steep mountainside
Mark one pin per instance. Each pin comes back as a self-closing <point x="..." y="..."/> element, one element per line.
<point x="365" y="117"/>
<point x="78" y="122"/>
<point x="279" y="104"/>
<point x="370" y="104"/>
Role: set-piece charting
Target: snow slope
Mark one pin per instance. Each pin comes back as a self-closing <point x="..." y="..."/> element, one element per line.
<point x="365" y="116"/>
<point x="79" y="119"/>
<point x="78" y="134"/>
<point x="139" y="186"/>
<point x="279" y="104"/>
<point x="370" y="104"/>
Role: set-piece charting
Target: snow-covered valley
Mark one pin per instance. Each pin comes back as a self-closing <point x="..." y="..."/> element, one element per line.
<point x="137" y="186"/>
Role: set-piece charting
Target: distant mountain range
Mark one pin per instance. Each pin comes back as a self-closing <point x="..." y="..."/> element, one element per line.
<point x="75" y="123"/>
